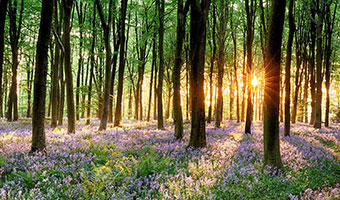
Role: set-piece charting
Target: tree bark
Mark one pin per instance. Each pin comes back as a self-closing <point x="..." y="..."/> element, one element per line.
<point x="106" y="25"/>
<point x="160" y="120"/>
<point x="199" y="13"/>
<point x="271" y="140"/>
<point x="118" y="114"/>
<point x="312" y="62"/>
<point x="15" y="31"/>
<point x="288" y="64"/>
<point x="220" y="64"/>
<point x="55" y="84"/>
<point x="89" y="95"/>
<point x="329" y="32"/>
<point x="233" y="35"/>
<point x="319" y="55"/>
<point x="212" y="62"/>
<point x="67" y="4"/>
<point x="3" y="9"/>
<point x="250" y="10"/>
<point x="176" y="74"/>
<point x="38" y="121"/>
<point x="153" y="65"/>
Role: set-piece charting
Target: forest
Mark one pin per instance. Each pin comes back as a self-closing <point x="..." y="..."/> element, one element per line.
<point x="161" y="99"/>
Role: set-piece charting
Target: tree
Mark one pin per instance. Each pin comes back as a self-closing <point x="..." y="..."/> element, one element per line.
<point x="233" y="35"/>
<point x="56" y="64"/>
<point x="176" y="75"/>
<point x="288" y="63"/>
<point x="92" y="62"/>
<point x="15" y="32"/>
<point x="67" y="5"/>
<point x="118" y="114"/>
<point x="272" y="155"/>
<point x="329" y="33"/>
<point x="106" y="25"/>
<point x="160" y="120"/>
<point x="3" y="9"/>
<point x="198" y="17"/>
<point x="250" y="10"/>
<point x="38" y="121"/>
<point x="220" y="63"/>
<point x="212" y="62"/>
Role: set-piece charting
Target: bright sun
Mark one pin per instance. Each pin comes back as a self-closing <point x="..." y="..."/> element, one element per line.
<point x="254" y="82"/>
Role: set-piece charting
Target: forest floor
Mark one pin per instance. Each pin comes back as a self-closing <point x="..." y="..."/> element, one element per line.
<point x="137" y="161"/>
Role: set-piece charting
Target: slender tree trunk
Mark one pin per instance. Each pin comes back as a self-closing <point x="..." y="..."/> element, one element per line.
<point x="312" y="64"/>
<point x="233" y="35"/>
<point x="61" y="72"/>
<point x="329" y="32"/>
<point x="212" y="62"/>
<point x="62" y="90"/>
<point x="55" y="85"/>
<point x="250" y="36"/>
<point x="271" y="140"/>
<point x="160" y="119"/>
<point x="297" y="79"/>
<point x="244" y="77"/>
<point x="167" y="113"/>
<point x="15" y="30"/>
<point x="305" y="93"/>
<point x="68" y="67"/>
<point x="38" y="121"/>
<point x="80" y="58"/>
<point x="3" y="9"/>
<point x="106" y="24"/>
<point x="220" y="64"/>
<point x="118" y="114"/>
<point x="319" y="54"/>
<point x="199" y="13"/>
<point x="153" y="65"/>
<point x="176" y="75"/>
<point x="89" y="95"/>
<point x="288" y="63"/>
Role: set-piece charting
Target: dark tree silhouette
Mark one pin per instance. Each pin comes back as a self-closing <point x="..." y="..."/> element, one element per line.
<point x="198" y="17"/>
<point x="38" y="121"/>
<point x="3" y="9"/>
<point x="272" y="155"/>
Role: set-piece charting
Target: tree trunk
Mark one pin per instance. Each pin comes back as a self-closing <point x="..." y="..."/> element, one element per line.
<point x="153" y="65"/>
<point x="55" y="85"/>
<point x="67" y="4"/>
<point x="176" y="74"/>
<point x="3" y="9"/>
<point x="14" y="32"/>
<point x="250" y="10"/>
<point x="118" y="114"/>
<point x="312" y="64"/>
<point x="38" y="121"/>
<point x="80" y="58"/>
<point x="106" y="25"/>
<point x="160" y="123"/>
<point x="288" y="63"/>
<point x="62" y="90"/>
<point x="233" y="35"/>
<point x="329" y="32"/>
<point x="305" y="94"/>
<point x="319" y="54"/>
<point x="89" y="95"/>
<point x="271" y="140"/>
<point x="212" y="62"/>
<point x="199" y="13"/>
<point x="244" y="77"/>
<point x="220" y="64"/>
